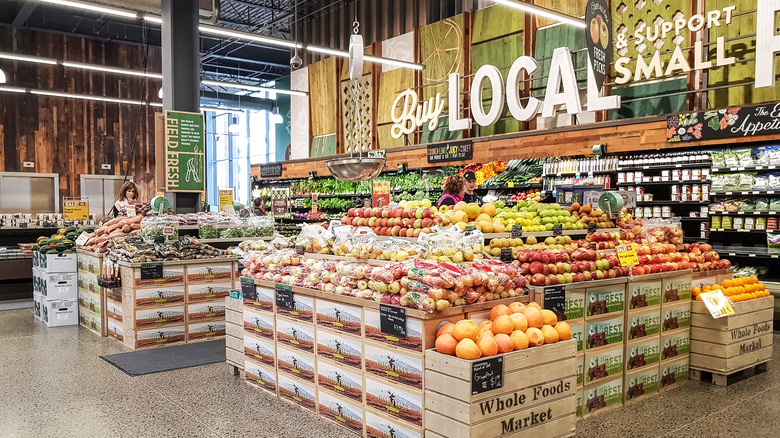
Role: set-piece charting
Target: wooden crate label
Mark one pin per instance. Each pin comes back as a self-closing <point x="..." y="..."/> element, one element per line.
<point x="646" y="351"/>
<point x="676" y="343"/>
<point x="733" y="350"/>
<point x="339" y="380"/>
<point x="208" y="292"/>
<point x="642" y="382"/>
<point x="757" y="329"/>
<point x="394" y="401"/>
<point x="339" y="349"/>
<point x="644" y="294"/>
<point x="677" y="289"/>
<point x="264" y="299"/>
<point x="340" y="317"/>
<point x="205" y="311"/>
<point x="604" y="332"/>
<point x="302" y="308"/>
<point x="644" y="323"/>
<point x="414" y="329"/>
<point x="580" y="364"/>
<point x="295" y="335"/>
<point x="676" y="316"/>
<point x="734" y="335"/>
<point x="380" y="427"/>
<point x="298" y="392"/>
<point x="574" y="307"/>
<point x="263" y="352"/>
<point x="604" y="300"/>
<point x="343" y="413"/>
<point x="206" y="330"/>
<point x="675" y="371"/>
<point x="260" y="324"/>
<point x="260" y="376"/>
<point x="731" y="322"/>
<point x="578" y="333"/>
<point x="393" y="365"/>
<point x="604" y="395"/>
<point x="729" y="365"/>
<point x="295" y="364"/>
<point x="603" y="363"/>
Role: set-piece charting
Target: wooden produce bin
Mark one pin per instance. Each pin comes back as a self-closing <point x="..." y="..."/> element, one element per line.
<point x="708" y="278"/>
<point x="331" y="349"/>
<point x="234" y="332"/>
<point x="91" y="297"/>
<point x="731" y="344"/>
<point x="538" y="397"/>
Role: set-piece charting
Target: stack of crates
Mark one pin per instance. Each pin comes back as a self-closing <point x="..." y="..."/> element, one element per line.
<point x="55" y="289"/>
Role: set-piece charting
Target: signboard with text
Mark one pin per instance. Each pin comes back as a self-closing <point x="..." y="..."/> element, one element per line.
<point x="185" y="169"/>
<point x="75" y="209"/>
<point x="737" y="122"/>
<point x="453" y="151"/>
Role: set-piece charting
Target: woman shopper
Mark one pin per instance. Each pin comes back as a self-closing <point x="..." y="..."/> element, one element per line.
<point x="128" y="194"/>
<point x="454" y="189"/>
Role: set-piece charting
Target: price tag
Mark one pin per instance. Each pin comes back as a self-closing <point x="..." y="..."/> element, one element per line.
<point x="506" y="255"/>
<point x="487" y="375"/>
<point x="469" y="229"/>
<point x="82" y="239"/>
<point x="717" y="303"/>
<point x="770" y="192"/>
<point x="151" y="271"/>
<point x="131" y="210"/>
<point x="627" y="255"/>
<point x="727" y="193"/>
<point x="23" y="225"/>
<point x="168" y="231"/>
<point x="284" y="296"/>
<point x="557" y="229"/>
<point x="751" y="255"/>
<point x="517" y="231"/>
<point x="555" y="300"/>
<point x="510" y="184"/>
<point x="248" y="288"/>
<point x="392" y="320"/>
<point x="592" y="227"/>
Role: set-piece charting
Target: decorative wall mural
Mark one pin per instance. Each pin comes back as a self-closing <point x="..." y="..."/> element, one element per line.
<point x="357" y="125"/>
<point x="400" y="48"/>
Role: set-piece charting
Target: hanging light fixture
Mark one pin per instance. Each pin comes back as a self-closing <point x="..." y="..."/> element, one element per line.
<point x="357" y="167"/>
<point x="160" y="93"/>
<point x="234" y="128"/>
<point x="2" y="77"/>
<point x="275" y="117"/>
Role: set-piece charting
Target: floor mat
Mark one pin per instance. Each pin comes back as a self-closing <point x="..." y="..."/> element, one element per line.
<point x="156" y="360"/>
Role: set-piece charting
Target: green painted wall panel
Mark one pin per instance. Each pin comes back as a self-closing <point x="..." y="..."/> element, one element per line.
<point x="649" y="107"/>
<point x="501" y="53"/>
<point x="496" y="21"/>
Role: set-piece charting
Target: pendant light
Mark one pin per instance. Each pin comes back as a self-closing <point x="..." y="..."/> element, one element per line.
<point x="2" y="77"/>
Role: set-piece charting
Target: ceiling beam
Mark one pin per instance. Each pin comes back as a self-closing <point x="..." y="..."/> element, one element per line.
<point x="23" y="14"/>
<point x="263" y="6"/>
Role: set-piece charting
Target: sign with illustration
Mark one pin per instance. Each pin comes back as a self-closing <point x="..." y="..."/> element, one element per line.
<point x="598" y="37"/>
<point x="724" y="123"/>
<point x="185" y="169"/>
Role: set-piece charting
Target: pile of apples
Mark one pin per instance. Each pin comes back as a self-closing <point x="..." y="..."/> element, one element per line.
<point x="703" y="258"/>
<point x="549" y="268"/>
<point x="609" y="240"/>
<point x="664" y="257"/>
<point x="399" y="221"/>
<point x="510" y="328"/>
<point x="529" y="195"/>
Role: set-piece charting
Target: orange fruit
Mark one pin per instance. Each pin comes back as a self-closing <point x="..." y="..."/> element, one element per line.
<point x="516" y="307"/>
<point x="534" y="304"/>
<point x="467" y="349"/>
<point x="487" y="345"/>
<point x="465" y="328"/>
<point x="535" y="337"/>
<point x="727" y="283"/>
<point x="485" y="324"/>
<point x="446" y="344"/>
<point x="550" y="334"/>
<point x="504" y="343"/>
<point x="519" y="320"/>
<point x="534" y="317"/>
<point x="503" y="324"/>
<point x="564" y="330"/>
<point x="499" y="310"/>
<point x="549" y="317"/>
<point x="446" y="328"/>
<point x="519" y="340"/>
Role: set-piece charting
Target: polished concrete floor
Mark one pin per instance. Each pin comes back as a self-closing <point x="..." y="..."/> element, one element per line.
<point x="53" y="384"/>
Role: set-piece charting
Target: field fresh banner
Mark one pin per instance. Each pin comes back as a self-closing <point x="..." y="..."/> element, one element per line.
<point x="185" y="169"/>
<point x="725" y="123"/>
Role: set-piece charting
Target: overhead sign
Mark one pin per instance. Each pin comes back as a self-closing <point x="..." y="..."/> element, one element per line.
<point x="270" y="170"/>
<point x="75" y="209"/>
<point x="724" y="123"/>
<point x="185" y="166"/>
<point x="453" y="151"/>
<point x="598" y="36"/>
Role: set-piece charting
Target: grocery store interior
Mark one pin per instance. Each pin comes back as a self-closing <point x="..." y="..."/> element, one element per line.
<point x="387" y="219"/>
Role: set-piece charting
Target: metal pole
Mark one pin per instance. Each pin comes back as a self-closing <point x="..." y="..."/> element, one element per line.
<point x="181" y="69"/>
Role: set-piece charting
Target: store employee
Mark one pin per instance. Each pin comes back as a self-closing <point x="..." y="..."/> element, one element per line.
<point x="128" y="194"/>
<point x="471" y="185"/>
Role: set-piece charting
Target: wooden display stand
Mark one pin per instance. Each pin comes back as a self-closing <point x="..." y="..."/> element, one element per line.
<point x="537" y="397"/>
<point x="92" y="297"/>
<point x="328" y="354"/>
<point x="234" y="333"/>
<point x="725" y="346"/>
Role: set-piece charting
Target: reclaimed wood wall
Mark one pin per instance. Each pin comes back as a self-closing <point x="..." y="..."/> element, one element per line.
<point x="69" y="136"/>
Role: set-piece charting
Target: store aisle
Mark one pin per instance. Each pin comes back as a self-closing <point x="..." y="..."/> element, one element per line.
<point x="55" y="385"/>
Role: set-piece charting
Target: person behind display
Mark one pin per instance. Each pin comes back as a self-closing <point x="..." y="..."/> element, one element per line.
<point x="471" y="185"/>
<point x="454" y="189"/>
<point x="128" y="194"/>
<point x="258" y="208"/>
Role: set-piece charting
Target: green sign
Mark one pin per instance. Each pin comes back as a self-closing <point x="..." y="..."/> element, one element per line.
<point x="185" y="152"/>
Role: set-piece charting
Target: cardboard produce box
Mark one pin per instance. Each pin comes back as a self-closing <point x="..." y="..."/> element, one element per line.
<point x="210" y="273"/>
<point x="58" y="313"/>
<point x="393" y="365"/>
<point x="605" y="300"/>
<point x="262" y="352"/>
<point x="152" y="297"/>
<point x="644" y="322"/>
<point x="296" y="364"/>
<point x="58" y="286"/>
<point x="340" y="317"/>
<point x="259" y="323"/>
<point x="295" y="335"/>
<point x="643" y="294"/>
<point x="37" y="305"/>
<point x="643" y="352"/>
<point x="603" y="363"/>
<point x="340" y="380"/>
<point x="414" y="332"/>
<point x="641" y="382"/>
<point x="264" y="299"/>
<point x="56" y="263"/>
<point x="605" y="394"/>
<point x="260" y="376"/>
<point x="676" y="315"/>
<point x="677" y="288"/>
<point x="114" y="311"/>
<point x="205" y="330"/>
<point x="675" y="343"/>
<point x="154" y="337"/>
<point x="91" y="321"/>
<point x="208" y="291"/>
<point x="378" y="426"/>
<point x="674" y="371"/>
<point x="606" y="331"/>
<point x="395" y="401"/>
<point x="206" y="311"/>
<point x="172" y="275"/>
<point x="143" y="319"/>
<point x="299" y="392"/>
<point x="115" y="330"/>
<point x="340" y="349"/>
<point x="346" y="414"/>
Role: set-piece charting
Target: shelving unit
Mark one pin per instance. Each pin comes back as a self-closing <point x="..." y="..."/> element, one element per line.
<point x="744" y="213"/>
<point x="740" y="169"/>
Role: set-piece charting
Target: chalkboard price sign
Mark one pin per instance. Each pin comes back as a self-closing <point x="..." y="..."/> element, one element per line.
<point x="454" y="151"/>
<point x="151" y="271"/>
<point x="517" y="231"/>
<point x="284" y="296"/>
<point x="248" y="288"/>
<point x="392" y="320"/>
<point x="557" y="229"/>
<point x="270" y="170"/>
<point x="506" y="255"/>
<point x="487" y="375"/>
<point x="555" y="300"/>
<point x="592" y="227"/>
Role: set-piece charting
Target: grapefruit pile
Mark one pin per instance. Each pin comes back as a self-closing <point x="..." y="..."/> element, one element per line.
<point x="510" y="328"/>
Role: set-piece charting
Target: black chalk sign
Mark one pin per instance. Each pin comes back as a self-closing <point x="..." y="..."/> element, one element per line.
<point x="248" y="288"/>
<point x="555" y="299"/>
<point x="487" y="375"/>
<point x="392" y="320"/>
<point x="557" y="229"/>
<point x="517" y="231"/>
<point x="151" y="271"/>
<point x="592" y="227"/>
<point x="270" y="170"/>
<point x="284" y="296"/>
<point x="506" y="255"/>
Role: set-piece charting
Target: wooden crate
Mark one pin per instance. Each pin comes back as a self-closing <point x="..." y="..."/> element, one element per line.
<point x="727" y="345"/>
<point x="538" y="396"/>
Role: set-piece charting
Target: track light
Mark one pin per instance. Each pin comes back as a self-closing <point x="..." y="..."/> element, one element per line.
<point x="2" y="77"/>
<point x="543" y="12"/>
<point x="160" y="93"/>
<point x="123" y="71"/>
<point x="35" y="59"/>
<point x="93" y="7"/>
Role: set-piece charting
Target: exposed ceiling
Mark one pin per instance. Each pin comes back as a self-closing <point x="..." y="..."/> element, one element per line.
<point x="222" y="59"/>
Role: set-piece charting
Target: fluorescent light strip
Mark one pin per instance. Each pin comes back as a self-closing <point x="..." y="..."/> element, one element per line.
<point x="36" y="59"/>
<point x="225" y="110"/>
<point x="153" y="19"/>
<point x="394" y="62"/>
<point x="93" y="7"/>
<point x="213" y="30"/>
<point x="252" y="87"/>
<point x="543" y="12"/>
<point x="21" y="90"/>
<point x="123" y="71"/>
<point x="13" y="89"/>
<point x="328" y="51"/>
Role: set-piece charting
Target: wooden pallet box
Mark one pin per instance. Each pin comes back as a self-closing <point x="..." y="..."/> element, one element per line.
<point x="730" y="344"/>
<point x="537" y="397"/>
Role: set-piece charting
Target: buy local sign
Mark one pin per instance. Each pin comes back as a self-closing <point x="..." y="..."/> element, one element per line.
<point x="561" y="92"/>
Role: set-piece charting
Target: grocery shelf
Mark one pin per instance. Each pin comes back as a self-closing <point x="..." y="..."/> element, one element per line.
<point x="746" y="192"/>
<point x="237" y="239"/>
<point x="750" y="252"/>
<point x="665" y="167"/>
<point x="670" y="202"/>
<point x="595" y="172"/>
<point x="745" y="213"/>
<point x="337" y="195"/>
<point x="431" y="189"/>
<point x="660" y="183"/>
<point x="741" y="168"/>
<point x="693" y="239"/>
<point x="692" y="219"/>
<point x="729" y="230"/>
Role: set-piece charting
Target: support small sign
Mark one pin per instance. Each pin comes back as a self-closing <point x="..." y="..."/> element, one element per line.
<point x="151" y="271"/>
<point x="392" y="320"/>
<point x="448" y="152"/>
<point x="717" y="303"/>
<point x="487" y="375"/>
<point x="627" y="255"/>
<point x="284" y="296"/>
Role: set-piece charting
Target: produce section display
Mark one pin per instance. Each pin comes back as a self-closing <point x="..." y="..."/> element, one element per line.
<point x="63" y="242"/>
<point x="738" y="289"/>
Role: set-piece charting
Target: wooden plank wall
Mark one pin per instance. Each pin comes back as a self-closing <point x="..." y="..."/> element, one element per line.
<point x="70" y="136"/>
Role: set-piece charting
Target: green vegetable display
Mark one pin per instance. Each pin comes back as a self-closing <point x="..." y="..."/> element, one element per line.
<point x="517" y="172"/>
